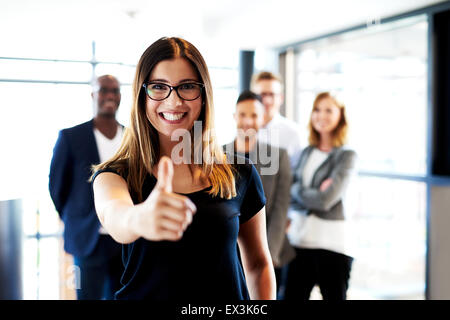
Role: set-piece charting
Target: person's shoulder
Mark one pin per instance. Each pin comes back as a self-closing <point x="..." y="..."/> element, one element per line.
<point x="77" y="128"/>
<point x="308" y="149"/>
<point x="242" y="165"/>
<point x="104" y="170"/>
<point x="281" y="151"/>
<point x="120" y="167"/>
<point x="228" y="147"/>
<point x="237" y="159"/>
<point x="283" y="154"/>
<point x="272" y="149"/>
<point x="346" y="152"/>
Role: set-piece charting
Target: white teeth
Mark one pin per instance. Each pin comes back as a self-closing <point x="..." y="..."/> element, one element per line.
<point x="172" y="116"/>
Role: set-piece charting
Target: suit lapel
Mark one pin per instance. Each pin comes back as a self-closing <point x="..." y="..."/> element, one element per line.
<point x="301" y="164"/>
<point x="323" y="168"/>
<point x="91" y="144"/>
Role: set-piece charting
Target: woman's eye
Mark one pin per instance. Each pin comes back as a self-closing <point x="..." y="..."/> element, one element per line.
<point x="157" y="86"/>
<point x="187" y="86"/>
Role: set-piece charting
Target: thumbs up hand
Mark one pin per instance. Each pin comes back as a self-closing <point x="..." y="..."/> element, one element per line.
<point x="164" y="215"/>
<point x="165" y="175"/>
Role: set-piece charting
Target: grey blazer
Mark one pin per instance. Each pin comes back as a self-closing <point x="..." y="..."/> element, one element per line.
<point x="277" y="191"/>
<point x="328" y="204"/>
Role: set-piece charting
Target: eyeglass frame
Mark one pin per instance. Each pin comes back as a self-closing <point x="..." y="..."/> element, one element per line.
<point x="202" y="86"/>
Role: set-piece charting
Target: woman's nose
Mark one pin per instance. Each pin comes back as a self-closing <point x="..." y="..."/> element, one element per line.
<point x="322" y="115"/>
<point x="174" y="99"/>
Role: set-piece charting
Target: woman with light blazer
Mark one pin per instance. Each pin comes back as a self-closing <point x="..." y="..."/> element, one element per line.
<point x="318" y="226"/>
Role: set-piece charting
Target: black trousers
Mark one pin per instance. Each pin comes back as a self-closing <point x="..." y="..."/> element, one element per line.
<point x="329" y="270"/>
<point x="280" y="276"/>
<point x="101" y="271"/>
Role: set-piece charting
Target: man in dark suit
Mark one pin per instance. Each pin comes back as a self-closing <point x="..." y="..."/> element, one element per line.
<point x="95" y="253"/>
<point x="273" y="165"/>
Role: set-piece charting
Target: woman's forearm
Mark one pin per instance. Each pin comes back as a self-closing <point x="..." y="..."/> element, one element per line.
<point x="261" y="282"/>
<point x="118" y="219"/>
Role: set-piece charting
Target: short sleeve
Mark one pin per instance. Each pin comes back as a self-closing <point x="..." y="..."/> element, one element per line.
<point x="101" y="171"/>
<point x="253" y="200"/>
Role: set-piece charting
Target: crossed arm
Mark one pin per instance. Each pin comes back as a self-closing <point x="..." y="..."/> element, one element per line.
<point x="324" y="199"/>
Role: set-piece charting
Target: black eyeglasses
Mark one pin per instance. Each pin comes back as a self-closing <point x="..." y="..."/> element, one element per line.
<point x="187" y="91"/>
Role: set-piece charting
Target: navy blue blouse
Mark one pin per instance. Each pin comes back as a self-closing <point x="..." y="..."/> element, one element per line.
<point x="204" y="264"/>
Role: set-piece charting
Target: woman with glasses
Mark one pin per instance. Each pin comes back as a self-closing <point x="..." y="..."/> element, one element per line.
<point x="179" y="222"/>
<point x="318" y="228"/>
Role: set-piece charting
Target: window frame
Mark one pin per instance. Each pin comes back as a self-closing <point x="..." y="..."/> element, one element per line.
<point x="430" y="179"/>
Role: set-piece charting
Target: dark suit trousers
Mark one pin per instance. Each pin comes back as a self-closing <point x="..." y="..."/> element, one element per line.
<point x="100" y="272"/>
<point x="329" y="270"/>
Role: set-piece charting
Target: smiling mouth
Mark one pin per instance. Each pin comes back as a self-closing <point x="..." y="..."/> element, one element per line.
<point x="110" y="103"/>
<point x="173" y="117"/>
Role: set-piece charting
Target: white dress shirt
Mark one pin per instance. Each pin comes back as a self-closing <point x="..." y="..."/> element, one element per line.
<point x="282" y="133"/>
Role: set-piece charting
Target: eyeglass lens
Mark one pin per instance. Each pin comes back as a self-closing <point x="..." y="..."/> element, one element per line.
<point x="186" y="91"/>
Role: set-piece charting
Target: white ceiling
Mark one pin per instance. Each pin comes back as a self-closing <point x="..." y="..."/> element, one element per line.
<point x="275" y="23"/>
<point x="242" y="24"/>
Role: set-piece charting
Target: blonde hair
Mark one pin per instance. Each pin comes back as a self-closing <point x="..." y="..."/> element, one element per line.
<point x="339" y="134"/>
<point x="265" y="75"/>
<point x="140" y="150"/>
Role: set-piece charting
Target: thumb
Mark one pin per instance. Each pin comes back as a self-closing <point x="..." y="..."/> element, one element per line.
<point x="165" y="174"/>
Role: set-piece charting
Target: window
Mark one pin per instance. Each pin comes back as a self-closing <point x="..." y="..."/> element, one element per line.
<point x="390" y="239"/>
<point x="380" y="73"/>
<point x="381" y="78"/>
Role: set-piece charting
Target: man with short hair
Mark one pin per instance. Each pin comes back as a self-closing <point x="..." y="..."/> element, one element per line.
<point x="277" y="130"/>
<point x="96" y="254"/>
<point x="272" y="164"/>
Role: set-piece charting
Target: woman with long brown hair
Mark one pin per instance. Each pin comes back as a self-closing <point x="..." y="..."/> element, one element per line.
<point x="318" y="229"/>
<point x="180" y="221"/>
